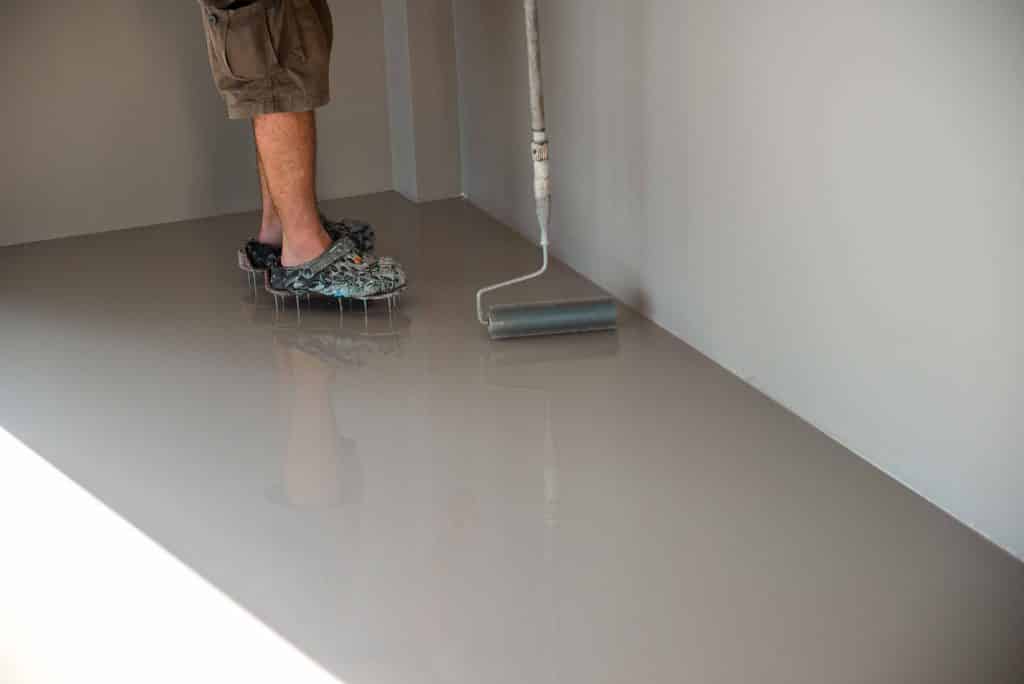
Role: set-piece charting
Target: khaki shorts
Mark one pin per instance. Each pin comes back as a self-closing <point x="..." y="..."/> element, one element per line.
<point x="269" y="56"/>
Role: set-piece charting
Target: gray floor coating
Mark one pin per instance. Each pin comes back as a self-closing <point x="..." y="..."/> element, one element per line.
<point x="406" y="501"/>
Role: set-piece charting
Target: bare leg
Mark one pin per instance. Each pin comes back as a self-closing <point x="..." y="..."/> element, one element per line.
<point x="271" y="229"/>
<point x="287" y="148"/>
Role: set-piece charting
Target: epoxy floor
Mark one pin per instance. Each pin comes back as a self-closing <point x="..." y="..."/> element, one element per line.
<point x="407" y="502"/>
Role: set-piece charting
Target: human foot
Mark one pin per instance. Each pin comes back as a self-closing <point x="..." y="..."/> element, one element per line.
<point x="304" y="247"/>
<point x="271" y="232"/>
<point x="342" y="272"/>
<point x="258" y="255"/>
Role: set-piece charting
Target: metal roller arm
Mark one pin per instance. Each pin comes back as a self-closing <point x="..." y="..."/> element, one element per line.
<point x="540" y="152"/>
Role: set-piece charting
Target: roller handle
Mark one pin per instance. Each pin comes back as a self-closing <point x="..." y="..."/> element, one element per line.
<point x="540" y="152"/>
<point x="540" y="149"/>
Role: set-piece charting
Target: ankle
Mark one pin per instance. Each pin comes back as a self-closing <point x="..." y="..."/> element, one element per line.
<point x="271" y="231"/>
<point x="300" y="249"/>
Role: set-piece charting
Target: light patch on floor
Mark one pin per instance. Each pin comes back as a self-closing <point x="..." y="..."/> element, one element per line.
<point x="88" y="598"/>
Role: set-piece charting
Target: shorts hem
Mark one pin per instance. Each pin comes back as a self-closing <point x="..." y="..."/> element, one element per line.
<point x="276" y="105"/>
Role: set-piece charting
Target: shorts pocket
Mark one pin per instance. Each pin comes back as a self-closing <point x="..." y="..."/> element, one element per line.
<point x="242" y="40"/>
<point x="311" y="41"/>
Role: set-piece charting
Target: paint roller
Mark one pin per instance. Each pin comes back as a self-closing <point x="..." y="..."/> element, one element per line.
<point x="542" y="318"/>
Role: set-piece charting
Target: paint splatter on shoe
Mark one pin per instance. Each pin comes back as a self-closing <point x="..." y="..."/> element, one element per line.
<point x="342" y="272"/>
<point x="256" y="257"/>
<point x="361" y="233"/>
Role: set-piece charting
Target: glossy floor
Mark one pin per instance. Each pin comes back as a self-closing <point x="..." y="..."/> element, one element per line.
<point x="407" y="502"/>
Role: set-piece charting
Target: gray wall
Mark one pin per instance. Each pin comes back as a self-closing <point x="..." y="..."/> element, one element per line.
<point x="110" y="119"/>
<point x="435" y="98"/>
<point x="826" y="198"/>
<point x="423" y="94"/>
<point x="399" y="69"/>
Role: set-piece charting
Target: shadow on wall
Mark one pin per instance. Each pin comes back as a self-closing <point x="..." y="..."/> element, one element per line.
<point x="113" y="120"/>
<point x="220" y="152"/>
<point x="632" y="173"/>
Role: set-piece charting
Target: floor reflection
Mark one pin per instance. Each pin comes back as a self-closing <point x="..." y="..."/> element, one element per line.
<point x="321" y="465"/>
<point x="406" y="501"/>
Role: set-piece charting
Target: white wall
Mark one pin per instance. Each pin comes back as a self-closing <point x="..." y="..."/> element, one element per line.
<point x="110" y="118"/>
<point x="825" y="198"/>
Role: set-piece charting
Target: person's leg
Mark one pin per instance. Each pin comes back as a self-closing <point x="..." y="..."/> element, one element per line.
<point x="271" y="63"/>
<point x="287" y="149"/>
<point x="271" y="230"/>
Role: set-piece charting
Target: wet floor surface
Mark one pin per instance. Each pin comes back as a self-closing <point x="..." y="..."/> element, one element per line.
<point x="406" y="501"/>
